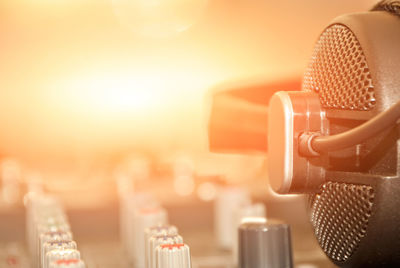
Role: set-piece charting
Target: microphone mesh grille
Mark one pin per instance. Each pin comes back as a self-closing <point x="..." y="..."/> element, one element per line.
<point x="339" y="72"/>
<point x="339" y="216"/>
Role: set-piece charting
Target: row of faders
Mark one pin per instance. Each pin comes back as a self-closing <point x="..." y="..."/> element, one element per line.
<point x="49" y="237"/>
<point x="149" y="241"/>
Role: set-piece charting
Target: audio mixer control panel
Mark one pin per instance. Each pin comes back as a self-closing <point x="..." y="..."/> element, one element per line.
<point x="226" y="226"/>
<point x="146" y="235"/>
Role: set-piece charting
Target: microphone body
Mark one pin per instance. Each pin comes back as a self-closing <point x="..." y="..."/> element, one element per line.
<point x="355" y="73"/>
<point x="354" y="193"/>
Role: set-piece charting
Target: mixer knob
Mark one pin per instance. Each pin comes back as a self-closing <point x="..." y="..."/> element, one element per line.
<point x="241" y="215"/>
<point x="263" y="244"/>
<point x="173" y="256"/>
<point x="144" y="218"/>
<point x="228" y="200"/>
<point x="154" y="242"/>
<point x="55" y="244"/>
<point x="70" y="263"/>
<point x="53" y="237"/>
<point x="41" y="211"/>
<point x="61" y="254"/>
<point x="44" y="233"/>
<point x="159" y="230"/>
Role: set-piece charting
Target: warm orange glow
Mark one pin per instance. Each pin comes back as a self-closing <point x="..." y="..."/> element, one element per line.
<point x="85" y="78"/>
<point x="207" y="191"/>
<point x="159" y="18"/>
<point x="113" y="94"/>
<point x="184" y="185"/>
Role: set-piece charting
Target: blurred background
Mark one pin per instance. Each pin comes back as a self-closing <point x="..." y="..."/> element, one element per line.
<point x="97" y="91"/>
<point x="87" y="82"/>
<point x="91" y="78"/>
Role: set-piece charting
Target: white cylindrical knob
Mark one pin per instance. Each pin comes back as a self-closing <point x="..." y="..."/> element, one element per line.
<point x="155" y="241"/>
<point x="47" y="232"/>
<point x="61" y="254"/>
<point x="54" y="244"/>
<point x="173" y="256"/>
<point x="144" y="218"/>
<point x="227" y="201"/>
<point x="40" y="209"/>
<point x="159" y="230"/>
<point x="43" y="228"/>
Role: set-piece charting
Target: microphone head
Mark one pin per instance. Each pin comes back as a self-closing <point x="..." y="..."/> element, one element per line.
<point x="355" y="73"/>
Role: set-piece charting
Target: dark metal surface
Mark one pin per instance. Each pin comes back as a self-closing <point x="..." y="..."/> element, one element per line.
<point x="355" y="215"/>
<point x="265" y="245"/>
<point x="392" y="6"/>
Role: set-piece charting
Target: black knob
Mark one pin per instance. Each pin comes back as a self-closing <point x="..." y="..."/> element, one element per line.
<point x="265" y="245"/>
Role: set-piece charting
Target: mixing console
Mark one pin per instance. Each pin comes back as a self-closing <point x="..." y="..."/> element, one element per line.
<point x="157" y="228"/>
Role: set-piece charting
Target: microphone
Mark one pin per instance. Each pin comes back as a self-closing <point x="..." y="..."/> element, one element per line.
<point x="338" y="141"/>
